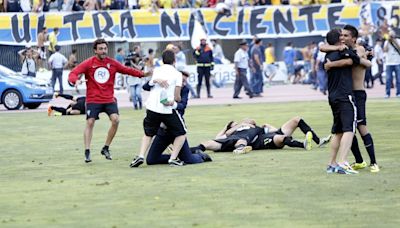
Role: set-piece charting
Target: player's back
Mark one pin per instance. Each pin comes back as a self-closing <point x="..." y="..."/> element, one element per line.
<point x="340" y="84"/>
<point x="174" y="79"/>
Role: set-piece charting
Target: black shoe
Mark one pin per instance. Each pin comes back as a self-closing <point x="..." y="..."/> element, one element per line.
<point x="136" y="162"/>
<point x="87" y="157"/>
<point x="210" y="96"/>
<point x="106" y="153"/>
<point x="175" y="162"/>
<point x="251" y="95"/>
<point x="204" y="156"/>
<point x="237" y="97"/>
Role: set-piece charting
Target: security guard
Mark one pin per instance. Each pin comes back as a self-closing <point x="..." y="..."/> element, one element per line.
<point x="205" y="64"/>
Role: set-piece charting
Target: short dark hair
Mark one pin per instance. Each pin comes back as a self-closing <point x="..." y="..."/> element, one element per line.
<point x="55" y="29"/>
<point x="99" y="41"/>
<point x="57" y="47"/>
<point x="151" y="50"/>
<point x="333" y="36"/>
<point x="119" y="49"/>
<point x="353" y="30"/>
<point x="73" y="51"/>
<point x="257" y="41"/>
<point x="168" y="57"/>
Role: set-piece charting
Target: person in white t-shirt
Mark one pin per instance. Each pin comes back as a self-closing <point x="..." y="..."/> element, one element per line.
<point x="392" y="47"/>
<point x="161" y="109"/>
<point x="28" y="56"/>
<point x="57" y="62"/>
<point x="378" y="56"/>
<point x="241" y="66"/>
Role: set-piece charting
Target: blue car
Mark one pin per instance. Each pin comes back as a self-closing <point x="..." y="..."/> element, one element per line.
<point x="17" y="90"/>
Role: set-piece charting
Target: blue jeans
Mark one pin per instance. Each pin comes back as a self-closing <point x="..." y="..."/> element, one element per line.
<point x="57" y="75"/>
<point x="136" y="94"/>
<point x="322" y="80"/>
<point x="389" y="78"/>
<point x="256" y="82"/>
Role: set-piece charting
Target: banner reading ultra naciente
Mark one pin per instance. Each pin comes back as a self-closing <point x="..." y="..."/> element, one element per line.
<point x="177" y="24"/>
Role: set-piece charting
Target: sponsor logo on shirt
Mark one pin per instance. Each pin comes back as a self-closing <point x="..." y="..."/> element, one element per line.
<point x="101" y="75"/>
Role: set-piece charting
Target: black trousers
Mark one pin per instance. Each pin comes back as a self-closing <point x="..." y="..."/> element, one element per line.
<point x="203" y="72"/>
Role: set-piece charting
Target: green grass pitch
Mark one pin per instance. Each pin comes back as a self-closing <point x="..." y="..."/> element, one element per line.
<point x="45" y="183"/>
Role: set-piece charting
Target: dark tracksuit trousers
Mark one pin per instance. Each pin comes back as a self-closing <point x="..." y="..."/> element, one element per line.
<point x="203" y="72"/>
<point x="161" y="141"/>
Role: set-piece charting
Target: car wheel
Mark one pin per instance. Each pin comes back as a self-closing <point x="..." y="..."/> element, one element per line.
<point x="12" y="99"/>
<point x="32" y="105"/>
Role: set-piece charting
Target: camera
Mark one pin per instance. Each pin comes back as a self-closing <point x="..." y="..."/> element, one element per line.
<point x="367" y="48"/>
<point x="134" y="59"/>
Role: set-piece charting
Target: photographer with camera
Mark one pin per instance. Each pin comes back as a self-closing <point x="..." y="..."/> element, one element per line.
<point x="392" y="49"/>
<point x="135" y="60"/>
<point x="28" y="59"/>
<point x="368" y="80"/>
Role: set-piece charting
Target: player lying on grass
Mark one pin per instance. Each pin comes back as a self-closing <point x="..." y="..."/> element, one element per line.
<point x="243" y="137"/>
<point x="76" y="107"/>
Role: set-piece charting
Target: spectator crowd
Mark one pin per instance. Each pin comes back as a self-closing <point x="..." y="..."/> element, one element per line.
<point x="152" y="5"/>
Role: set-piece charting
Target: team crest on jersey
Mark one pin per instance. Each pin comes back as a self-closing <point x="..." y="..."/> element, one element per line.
<point x="267" y="140"/>
<point x="108" y="65"/>
<point x="101" y="75"/>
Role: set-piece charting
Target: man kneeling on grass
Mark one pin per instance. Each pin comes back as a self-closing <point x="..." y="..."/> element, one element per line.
<point x="161" y="108"/>
<point x="164" y="138"/>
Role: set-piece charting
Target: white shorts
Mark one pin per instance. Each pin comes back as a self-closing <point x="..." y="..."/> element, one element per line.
<point x="42" y="53"/>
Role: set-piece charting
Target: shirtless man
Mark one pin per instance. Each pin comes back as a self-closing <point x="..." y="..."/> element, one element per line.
<point x="41" y="39"/>
<point x="350" y="35"/>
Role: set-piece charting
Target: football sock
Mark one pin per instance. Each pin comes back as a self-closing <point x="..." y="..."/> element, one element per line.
<point x="369" y="146"/>
<point x="355" y="149"/>
<point x="289" y="141"/>
<point x="105" y="147"/>
<point x="58" y="109"/>
<point x="305" y="128"/>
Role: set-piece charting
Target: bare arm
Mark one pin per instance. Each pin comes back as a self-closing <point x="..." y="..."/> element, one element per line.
<point x="257" y="58"/>
<point x="386" y="46"/>
<point x="177" y="95"/>
<point x="233" y="129"/>
<point x="365" y="62"/>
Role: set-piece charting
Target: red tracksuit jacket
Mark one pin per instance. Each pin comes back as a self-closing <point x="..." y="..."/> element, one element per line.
<point x="100" y="78"/>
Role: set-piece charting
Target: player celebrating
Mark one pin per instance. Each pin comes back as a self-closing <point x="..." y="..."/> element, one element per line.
<point x="99" y="73"/>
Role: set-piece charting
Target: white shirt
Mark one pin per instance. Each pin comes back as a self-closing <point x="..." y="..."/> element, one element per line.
<point x="378" y="52"/>
<point x="392" y="57"/>
<point x="180" y="60"/>
<point x="241" y="59"/>
<point x="28" y="65"/>
<point x="217" y="52"/>
<point x="25" y="5"/>
<point x="57" y="61"/>
<point x="174" y="78"/>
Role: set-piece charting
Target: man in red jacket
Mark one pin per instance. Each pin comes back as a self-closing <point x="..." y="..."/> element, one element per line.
<point x="99" y="72"/>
